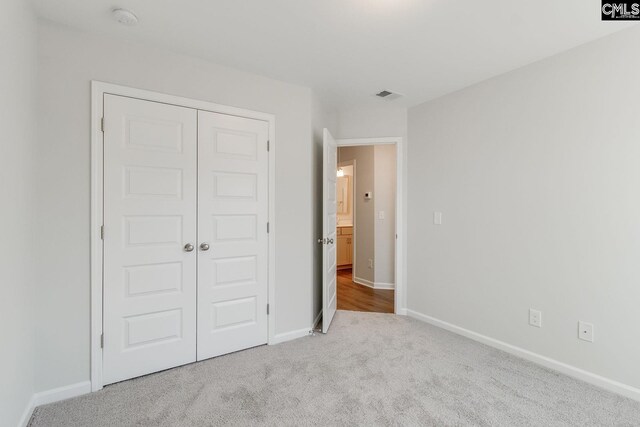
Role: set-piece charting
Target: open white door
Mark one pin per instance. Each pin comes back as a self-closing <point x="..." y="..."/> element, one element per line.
<point x="329" y="291"/>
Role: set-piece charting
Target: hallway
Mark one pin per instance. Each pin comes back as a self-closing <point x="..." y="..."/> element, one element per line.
<point x="355" y="297"/>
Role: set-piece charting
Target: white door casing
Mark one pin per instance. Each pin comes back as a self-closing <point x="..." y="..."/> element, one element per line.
<point x="100" y="91"/>
<point x="149" y="282"/>
<point x="233" y="169"/>
<point x="329" y="238"/>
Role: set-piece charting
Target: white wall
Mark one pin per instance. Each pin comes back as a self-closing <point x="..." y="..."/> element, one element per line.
<point x="370" y="122"/>
<point x="68" y="61"/>
<point x="18" y="241"/>
<point x="537" y="173"/>
<point x="384" y="199"/>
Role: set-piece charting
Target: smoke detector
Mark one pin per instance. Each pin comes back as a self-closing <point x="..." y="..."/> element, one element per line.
<point x="125" y="16"/>
<point x="388" y="95"/>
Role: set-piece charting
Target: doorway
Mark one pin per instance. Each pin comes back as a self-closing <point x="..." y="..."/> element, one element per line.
<point x="365" y="205"/>
<point x="382" y="217"/>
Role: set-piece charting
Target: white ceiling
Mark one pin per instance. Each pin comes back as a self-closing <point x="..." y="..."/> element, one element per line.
<point x="348" y="50"/>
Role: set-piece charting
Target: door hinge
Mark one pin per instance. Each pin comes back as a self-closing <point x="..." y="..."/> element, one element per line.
<point x="102" y="232"/>
<point x="268" y="145"/>
<point x="267" y="227"/>
<point x="267" y="309"/>
<point x="102" y="124"/>
<point x="101" y="340"/>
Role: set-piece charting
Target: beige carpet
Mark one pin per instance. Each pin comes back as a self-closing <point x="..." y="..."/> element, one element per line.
<point x="371" y="369"/>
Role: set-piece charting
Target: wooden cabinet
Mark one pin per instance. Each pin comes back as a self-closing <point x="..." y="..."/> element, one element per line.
<point x="345" y="247"/>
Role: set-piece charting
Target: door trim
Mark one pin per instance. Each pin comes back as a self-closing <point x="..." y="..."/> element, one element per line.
<point x="400" y="297"/>
<point x="98" y="90"/>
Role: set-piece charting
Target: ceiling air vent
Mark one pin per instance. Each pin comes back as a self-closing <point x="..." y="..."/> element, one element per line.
<point x="388" y="95"/>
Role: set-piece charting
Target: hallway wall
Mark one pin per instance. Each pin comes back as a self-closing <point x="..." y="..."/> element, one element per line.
<point x="364" y="230"/>
<point x="384" y="157"/>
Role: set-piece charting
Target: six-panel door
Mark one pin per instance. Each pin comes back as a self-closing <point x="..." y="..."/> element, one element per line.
<point x="177" y="178"/>
<point x="150" y="152"/>
<point x="232" y="227"/>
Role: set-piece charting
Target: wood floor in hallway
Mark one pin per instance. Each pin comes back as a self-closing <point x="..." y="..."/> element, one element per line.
<point x="355" y="297"/>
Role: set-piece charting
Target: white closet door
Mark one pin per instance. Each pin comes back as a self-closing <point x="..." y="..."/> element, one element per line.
<point x="232" y="233"/>
<point x="150" y="152"/>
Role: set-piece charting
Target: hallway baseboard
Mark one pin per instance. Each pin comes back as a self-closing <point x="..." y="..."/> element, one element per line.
<point x="374" y="285"/>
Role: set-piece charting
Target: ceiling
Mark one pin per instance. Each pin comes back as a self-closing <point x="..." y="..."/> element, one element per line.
<point x="347" y="50"/>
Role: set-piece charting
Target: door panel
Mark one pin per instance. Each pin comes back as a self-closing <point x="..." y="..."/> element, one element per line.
<point x="329" y="291"/>
<point x="232" y="221"/>
<point x="150" y="154"/>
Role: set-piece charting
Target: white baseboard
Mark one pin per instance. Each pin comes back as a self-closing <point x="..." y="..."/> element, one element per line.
<point x="402" y="312"/>
<point x="28" y="412"/>
<point x="363" y="282"/>
<point x="62" y="393"/>
<point x="292" y="335"/>
<point x="572" y="371"/>
<point x="54" y="395"/>
<point x="374" y="285"/>
<point x="383" y="285"/>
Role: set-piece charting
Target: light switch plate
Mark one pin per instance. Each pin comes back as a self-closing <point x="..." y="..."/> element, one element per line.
<point x="437" y="218"/>
<point x="381" y="215"/>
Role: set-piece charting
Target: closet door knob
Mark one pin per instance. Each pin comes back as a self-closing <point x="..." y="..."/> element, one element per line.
<point x="188" y="247"/>
<point x="204" y="246"/>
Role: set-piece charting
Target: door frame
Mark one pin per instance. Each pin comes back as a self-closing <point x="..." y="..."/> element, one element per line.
<point x="400" y="306"/>
<point x="98" y="90"/>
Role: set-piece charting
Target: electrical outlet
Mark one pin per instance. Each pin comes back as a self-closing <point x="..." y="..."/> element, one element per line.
<point x="370" y="263"/>
<point x="535" y="318"/>
<point x="585" y="331"/>
<point x="437" y="218"/>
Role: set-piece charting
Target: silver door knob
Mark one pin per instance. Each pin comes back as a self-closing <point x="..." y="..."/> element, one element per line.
<point x="204" y="246"/>
<point x="188" y="247"/>
<point x="330" y="241"/>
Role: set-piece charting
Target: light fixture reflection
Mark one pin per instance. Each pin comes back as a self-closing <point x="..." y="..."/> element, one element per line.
<point x="340" y="173"/>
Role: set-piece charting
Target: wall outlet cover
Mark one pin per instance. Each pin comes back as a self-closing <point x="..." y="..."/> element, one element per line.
<point x="585" y="331"/>
<point x="535" y="318"/>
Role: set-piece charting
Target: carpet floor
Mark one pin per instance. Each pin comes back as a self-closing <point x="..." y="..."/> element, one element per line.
<point x="371" y="369"/>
